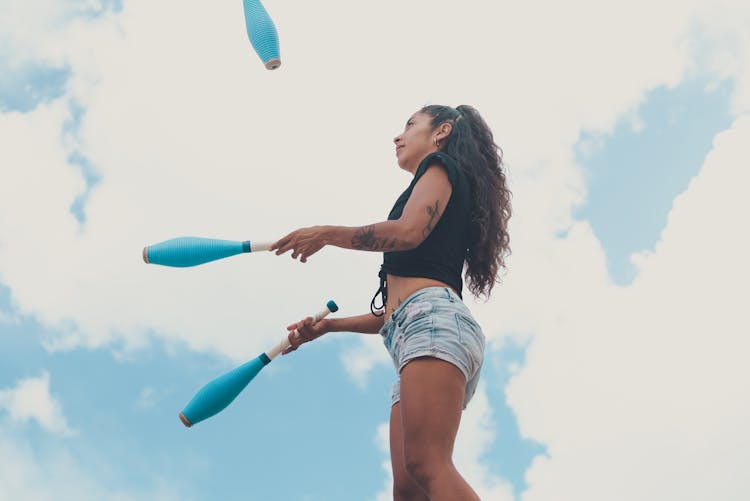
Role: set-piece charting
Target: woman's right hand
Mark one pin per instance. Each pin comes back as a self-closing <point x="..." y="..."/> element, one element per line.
<point x="307" y="332"/>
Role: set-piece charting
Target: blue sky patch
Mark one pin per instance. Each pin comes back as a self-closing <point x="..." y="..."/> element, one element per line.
<point x="23" y="88"/>
<point x="131" y="405"/>
<point x="77" y="158"/>
<point x="634" y="174"/>
<point x="510" y="455"/>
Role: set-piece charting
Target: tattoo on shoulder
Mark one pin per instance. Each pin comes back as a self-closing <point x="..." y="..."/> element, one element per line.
<point x="365" y="239"/>
<point x="434" y="212"/>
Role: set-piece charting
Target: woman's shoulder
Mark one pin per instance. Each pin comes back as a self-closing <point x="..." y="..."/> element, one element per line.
<point x="445" y="161"/>
<point x="439" y="158"/>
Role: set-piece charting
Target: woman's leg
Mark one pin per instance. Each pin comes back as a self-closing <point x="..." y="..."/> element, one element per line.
<point x="432" y="395"/>
<point x="404" y="487"/>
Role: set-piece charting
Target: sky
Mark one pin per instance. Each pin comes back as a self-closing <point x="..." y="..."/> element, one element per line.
<point x="616" y="342"/>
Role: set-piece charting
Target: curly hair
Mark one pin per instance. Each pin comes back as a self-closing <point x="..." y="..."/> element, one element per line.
<point x="472" y="145"/>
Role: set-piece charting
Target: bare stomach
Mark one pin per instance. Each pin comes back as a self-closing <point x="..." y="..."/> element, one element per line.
<point x="400" y="288"/>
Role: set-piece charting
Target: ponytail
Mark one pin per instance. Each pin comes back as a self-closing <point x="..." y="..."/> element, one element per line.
<point x="471" y="144"/>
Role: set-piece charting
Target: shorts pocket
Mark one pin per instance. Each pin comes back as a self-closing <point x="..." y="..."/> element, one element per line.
<point x="416" y="316"/>
<point x="471" y="337"/>
<point x="391" y="340"/>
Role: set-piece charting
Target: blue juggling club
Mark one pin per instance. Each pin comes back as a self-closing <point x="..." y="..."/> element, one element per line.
<point x="262" y="33"/>
<point x="191" y="251"/>
<point x="219" y="393"/>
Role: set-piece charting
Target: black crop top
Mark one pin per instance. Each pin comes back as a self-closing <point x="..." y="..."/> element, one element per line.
<point x="441" y="255"/>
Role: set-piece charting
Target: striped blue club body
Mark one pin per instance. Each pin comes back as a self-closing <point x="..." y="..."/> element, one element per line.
<point x="262" y="33"/>
<point x="191" y="251"/>
<point x="219" y="393"/>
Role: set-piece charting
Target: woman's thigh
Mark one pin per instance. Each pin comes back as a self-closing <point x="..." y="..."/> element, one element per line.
<point x="432" y="397"/>
<point x="404" y="486"/>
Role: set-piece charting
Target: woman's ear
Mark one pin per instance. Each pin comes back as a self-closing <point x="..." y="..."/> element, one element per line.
<point x="444" y="130"/>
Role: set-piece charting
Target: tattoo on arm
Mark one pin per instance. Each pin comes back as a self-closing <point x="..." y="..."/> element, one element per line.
<point x="433" y="212"/>
<point x="365" y="239"/>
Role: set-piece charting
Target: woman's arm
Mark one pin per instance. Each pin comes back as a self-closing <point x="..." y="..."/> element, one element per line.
<point x="421" y="213"/>
<point x="366" y="324"/>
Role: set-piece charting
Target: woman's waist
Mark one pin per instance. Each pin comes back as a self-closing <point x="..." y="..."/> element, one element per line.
<point x="403" y="289"/>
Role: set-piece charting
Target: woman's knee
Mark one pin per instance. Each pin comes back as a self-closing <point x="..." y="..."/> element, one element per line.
<point x="422" y="466"/>
<point x="406" y="488"/>
<point x="408" y="491"/>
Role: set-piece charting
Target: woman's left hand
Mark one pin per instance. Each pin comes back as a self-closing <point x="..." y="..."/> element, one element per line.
<point x="303" y="242"/>
<point x="304" y="332"/>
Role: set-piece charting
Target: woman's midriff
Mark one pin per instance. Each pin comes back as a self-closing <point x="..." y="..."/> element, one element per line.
<point x="400" y="288"/>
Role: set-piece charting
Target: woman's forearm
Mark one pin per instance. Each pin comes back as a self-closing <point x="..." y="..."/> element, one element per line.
<point x="366" y="324"/>
<point x="386" y="236"/>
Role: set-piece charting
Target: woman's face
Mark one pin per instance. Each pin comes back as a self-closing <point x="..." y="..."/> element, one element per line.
<point x="416" y="142"/>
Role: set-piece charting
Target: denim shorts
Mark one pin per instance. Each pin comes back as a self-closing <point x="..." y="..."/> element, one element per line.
<point x="435" y="322"/>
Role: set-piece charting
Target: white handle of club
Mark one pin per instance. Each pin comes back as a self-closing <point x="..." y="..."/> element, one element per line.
<point x="259" y="246"/>
<point x="284" y="344"/>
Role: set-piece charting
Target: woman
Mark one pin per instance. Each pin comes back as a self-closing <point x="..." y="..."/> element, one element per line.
<point x="454" y="213"/>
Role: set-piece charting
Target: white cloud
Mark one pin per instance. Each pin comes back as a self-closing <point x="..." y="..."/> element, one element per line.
<point x="724" y="30"/>
<point x="191" y="136"/>
<point x="30" y="400"/>
<point x="639" y="392"/>
<point x="382" y="441"/>
<point x="51" y="473"/>
<point x="475" y="437"/>
<point x="359" y="360"/>
<point x="151" y="396"/>
<point x="50" y="469"/>
<point x="147" y="398"/>
<point x="37" y="32"/>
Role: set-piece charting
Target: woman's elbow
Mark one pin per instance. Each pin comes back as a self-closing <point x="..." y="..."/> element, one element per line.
<point x="411" y="238"/>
